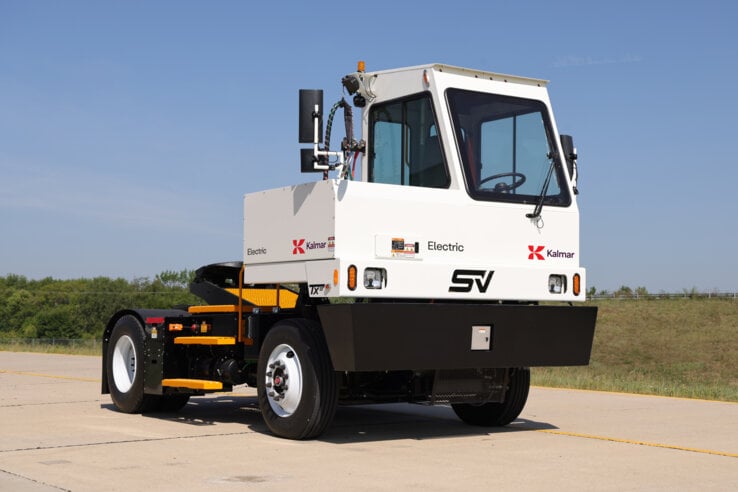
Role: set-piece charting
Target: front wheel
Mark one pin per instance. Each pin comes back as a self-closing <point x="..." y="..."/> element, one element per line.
<point x="498" y="414"/>
<point x="297" y="387"/>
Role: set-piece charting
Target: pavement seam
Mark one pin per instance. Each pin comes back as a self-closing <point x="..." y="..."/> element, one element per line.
<point x="127" y="441"/>
<point x="46" y="403"/>
<point x="32" y="480"/>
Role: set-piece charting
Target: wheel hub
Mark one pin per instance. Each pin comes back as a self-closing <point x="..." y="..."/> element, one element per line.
<point x="124" y="364"/>
<point x="283" y="380"/>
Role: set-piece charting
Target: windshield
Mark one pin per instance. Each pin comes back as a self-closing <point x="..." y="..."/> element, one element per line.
<point x="506" y="148"/>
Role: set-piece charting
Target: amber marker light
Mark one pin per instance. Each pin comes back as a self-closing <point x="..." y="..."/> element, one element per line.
<point x="576" y="284"/>
<point x="335" y="277"/>
<point x="352" y="277"/>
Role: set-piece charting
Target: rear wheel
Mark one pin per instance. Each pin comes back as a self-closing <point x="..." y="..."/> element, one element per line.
<point x="498" y="414"/>
<point x="125" y="367"/>
<point x="297" y="386"/>
<point x="125" y="372"/>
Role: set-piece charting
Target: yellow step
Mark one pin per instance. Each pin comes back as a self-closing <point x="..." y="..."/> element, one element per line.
<point x="196" y="384"/>
<point x="205" y="341"/>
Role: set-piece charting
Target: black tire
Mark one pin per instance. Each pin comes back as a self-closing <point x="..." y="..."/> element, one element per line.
<point x="298" y="394"/>
<point x="498" y="414"/>
<point x="124" y="367"/>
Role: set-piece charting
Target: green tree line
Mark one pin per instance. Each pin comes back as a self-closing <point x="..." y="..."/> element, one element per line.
<point x="80" y="308"/>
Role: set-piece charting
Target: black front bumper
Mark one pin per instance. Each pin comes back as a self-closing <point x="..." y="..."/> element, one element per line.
<point x="397" y="336"/>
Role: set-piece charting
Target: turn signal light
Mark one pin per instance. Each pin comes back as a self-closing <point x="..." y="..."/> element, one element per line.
<point x="576" y="284"/>
<point x="352" y="277"/>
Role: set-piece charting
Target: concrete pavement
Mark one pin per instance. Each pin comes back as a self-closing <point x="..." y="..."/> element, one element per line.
<point x="58" y="433"/>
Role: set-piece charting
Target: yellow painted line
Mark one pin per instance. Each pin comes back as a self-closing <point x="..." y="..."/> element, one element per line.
<point x="53" y="376"/>
<point x="639" y="443"/>
<point x="645" y="395"/>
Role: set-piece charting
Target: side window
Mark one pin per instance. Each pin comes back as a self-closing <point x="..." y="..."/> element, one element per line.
<point x="404" y="145"/>
<point x="388" y="163"/>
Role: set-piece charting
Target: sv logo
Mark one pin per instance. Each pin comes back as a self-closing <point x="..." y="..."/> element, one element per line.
<point x="466" y="280"/>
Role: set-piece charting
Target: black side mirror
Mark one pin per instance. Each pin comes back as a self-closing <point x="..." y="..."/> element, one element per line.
<point x="309" y="99"/>
<point x="570" y="154"/>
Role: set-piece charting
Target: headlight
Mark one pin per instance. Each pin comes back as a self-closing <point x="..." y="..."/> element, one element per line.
<point x="375" y="278"/>
<point x="557" y="284"/>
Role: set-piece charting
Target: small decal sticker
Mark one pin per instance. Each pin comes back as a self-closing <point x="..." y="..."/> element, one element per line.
<point x="403" y="249"/>
<point x="319" y="290"/>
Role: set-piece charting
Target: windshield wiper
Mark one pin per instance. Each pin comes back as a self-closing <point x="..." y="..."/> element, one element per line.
<point x="542" y="197"/>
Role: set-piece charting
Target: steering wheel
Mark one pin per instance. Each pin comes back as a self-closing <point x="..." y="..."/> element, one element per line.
<point x="504" y="187"/>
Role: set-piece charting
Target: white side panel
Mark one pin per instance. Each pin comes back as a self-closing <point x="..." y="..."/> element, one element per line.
<point x="290" y="224"/>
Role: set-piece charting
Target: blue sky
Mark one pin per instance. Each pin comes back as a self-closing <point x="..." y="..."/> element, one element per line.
<point x="129" y="131"/>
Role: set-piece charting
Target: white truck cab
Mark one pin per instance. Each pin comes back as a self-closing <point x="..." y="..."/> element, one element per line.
<point x="466" y="193"/>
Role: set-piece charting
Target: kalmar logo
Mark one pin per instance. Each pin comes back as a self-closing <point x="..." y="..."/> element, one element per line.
<point x="297" y="246"/>
<point x="535" y="252"/>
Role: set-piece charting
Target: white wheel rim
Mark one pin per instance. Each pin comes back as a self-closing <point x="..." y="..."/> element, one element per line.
<point x="124" y="363"/>
<point x="283" y="380"/>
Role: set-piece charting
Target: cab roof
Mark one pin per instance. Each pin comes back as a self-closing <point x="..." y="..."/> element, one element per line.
<point x="467" y="72"/>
